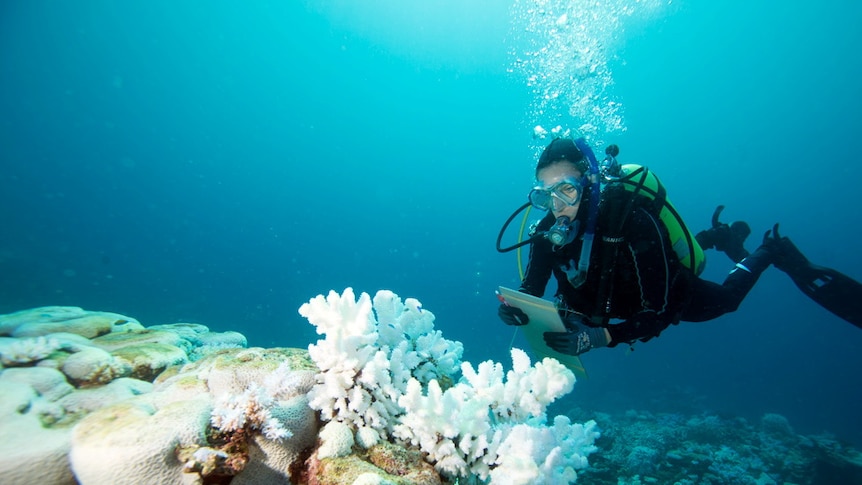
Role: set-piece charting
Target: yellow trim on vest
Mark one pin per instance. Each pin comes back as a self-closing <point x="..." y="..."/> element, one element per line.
<point x="681" y="239"/>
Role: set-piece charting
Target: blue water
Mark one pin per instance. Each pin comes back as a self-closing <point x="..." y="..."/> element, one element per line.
<point x="222" y="163"/>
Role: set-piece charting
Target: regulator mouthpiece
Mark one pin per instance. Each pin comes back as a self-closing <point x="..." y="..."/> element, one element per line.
<point x="562" y="232"/>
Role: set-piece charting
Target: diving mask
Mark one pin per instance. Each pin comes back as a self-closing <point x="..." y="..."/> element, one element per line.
<point x="566" y="192"/>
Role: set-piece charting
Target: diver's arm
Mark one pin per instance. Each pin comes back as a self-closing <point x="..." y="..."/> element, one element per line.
<point x="642" y="326"/>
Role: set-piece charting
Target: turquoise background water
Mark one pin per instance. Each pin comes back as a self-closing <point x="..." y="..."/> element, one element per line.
<point x="223" y="162"/>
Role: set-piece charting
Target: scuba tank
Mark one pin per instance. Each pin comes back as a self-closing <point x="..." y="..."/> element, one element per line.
<point x="638" y="180"/>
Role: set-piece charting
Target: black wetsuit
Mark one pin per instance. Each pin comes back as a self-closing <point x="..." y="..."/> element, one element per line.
<point x="646" y="287"/>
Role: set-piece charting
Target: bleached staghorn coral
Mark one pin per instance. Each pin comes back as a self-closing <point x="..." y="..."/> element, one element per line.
<point x="484" y="423"/>
<point x="543" y="455"/>
<point x="371" y="351"/>
<point x="383" y="373"/>
<point x="252" y="409"/>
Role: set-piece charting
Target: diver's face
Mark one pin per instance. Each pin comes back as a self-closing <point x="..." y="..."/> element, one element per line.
<point x="553" y="175"/>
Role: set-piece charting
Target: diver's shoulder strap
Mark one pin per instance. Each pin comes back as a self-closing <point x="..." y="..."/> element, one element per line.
<point x="618" y="202"/>
<point x="616" y="205"/>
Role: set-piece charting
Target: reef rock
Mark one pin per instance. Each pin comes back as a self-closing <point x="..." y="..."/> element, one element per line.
<point x="47" y="320"/>
<point x="178" y="417"/>
<point x="75" y="388"/>
<point x="383" y="463"/>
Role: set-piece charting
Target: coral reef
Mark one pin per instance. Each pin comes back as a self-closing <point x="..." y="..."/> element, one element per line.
<point x="639" y="447"/>
<point x="84" y="387"/>
<point x="253" y="409"/>
<point x="26" y="350"/>
<point x="381" y="368"/>
<point x="43" y="321"/>
<point x="383" y="398"/>
<point x="383" y="463"/>
<point x="211" y="418"/>
<point x="366" y="362"/>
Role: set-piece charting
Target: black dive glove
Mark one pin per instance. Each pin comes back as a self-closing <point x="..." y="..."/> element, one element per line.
<point x="578" y="340"/>
<point x="785" y="255"/>
<point x="728" y="239"/>
<point x="512" y="315"/>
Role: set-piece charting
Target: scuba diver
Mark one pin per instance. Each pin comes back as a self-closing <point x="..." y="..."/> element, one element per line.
<point x="627" y="267"/>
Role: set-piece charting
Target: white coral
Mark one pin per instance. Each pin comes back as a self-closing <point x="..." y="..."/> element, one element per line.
<point x="462" y="428"/>
<point x="371" y="351"/>
<point x="381" y="364"/>
<point x="336" y="440"/>
<point x="544" y="455"/>
<point x="27" y="350"/>
<point x="252" y="409"/>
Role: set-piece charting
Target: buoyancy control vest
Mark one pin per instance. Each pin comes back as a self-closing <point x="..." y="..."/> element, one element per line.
<point x="640" y="182"/>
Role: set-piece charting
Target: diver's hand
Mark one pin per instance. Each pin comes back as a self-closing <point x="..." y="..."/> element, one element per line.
<point x="772" y="237"/>
<point x="512" y="315"/>
<point x="729" y="239"/>
<point x="712" y="237"/>
<point x="581" y="339"/>
<point x="785" y="255"/>
<point x="715" y="216"/>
